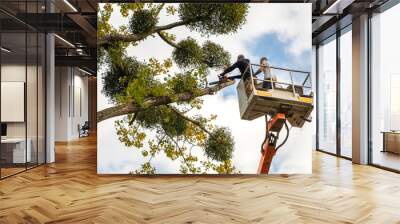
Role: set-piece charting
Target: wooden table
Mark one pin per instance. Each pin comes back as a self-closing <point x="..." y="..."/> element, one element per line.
<point x="13" y="150"/>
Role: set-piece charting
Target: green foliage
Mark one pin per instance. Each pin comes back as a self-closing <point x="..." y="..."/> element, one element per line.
<point x="126" y="79"/>
<point x="144" y="86"/>
<point x="162" y="117"/>
<point x="142" y="21"/>
<point x="119" y="75"/>
<point x="125" y="8"/>
<point x="188" y="53"/>
<point x="182" y="83"/>
<point x="173" y="124"/>
<point x="171" y="10"/>
<point x="111" y="53"/>
<point x="129" y="136"/>
<point x="103" y="18"/>
<point x="103" y="28"/>
<point x="176" y="138"/>
<point x="149" y="118"/>
<point x="215" y="55"/>
<point x="158" y="68"/>
<point x="129" y="79"/>
<point x="214" y="18"/>
<point x="219" y="145"/>
<point x="225" y="167"/>
<point x="146" y="168"/>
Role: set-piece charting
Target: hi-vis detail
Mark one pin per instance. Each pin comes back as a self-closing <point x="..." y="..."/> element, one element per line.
<point x="294" y="97"/>
<point x="290" y="101"/>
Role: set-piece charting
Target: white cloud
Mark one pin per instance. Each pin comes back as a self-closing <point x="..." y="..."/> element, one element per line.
<point x="293" y="157"/>
<point x="291" y="23"/>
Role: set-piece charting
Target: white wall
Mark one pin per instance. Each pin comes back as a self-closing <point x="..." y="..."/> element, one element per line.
<point x="14" y="73"/>
<point x="80" y="85"/>
<point x="12" y="100"/>
<point x="61" y="103"/>
<point x="33" y="126"/>
<point x="71" y="94"/>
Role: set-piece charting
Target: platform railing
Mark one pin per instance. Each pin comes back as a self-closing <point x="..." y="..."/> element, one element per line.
<point x="292" y="75"/>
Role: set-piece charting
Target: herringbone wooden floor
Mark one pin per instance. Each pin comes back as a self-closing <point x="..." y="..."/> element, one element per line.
<point x="70" y="191"/>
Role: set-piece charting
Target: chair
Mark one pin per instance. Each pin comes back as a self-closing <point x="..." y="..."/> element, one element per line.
<point x="84" y="130"/>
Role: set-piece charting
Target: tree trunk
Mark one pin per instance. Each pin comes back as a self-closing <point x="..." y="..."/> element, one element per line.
<point x="133" y="107"/>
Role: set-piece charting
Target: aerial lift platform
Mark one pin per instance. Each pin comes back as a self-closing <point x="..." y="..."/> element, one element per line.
<point x="288" y="100"/>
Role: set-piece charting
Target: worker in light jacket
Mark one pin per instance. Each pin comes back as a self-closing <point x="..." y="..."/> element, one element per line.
<point x="265" y="68"/>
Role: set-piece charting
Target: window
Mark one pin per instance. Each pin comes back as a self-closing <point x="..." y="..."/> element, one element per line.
<point x="346" y="92"/>
<point x="22" y="78"/>
<point x="327" y="96"/>
<point x="385" y="89"/>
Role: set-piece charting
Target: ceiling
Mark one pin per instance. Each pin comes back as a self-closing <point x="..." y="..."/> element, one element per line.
<point x="329" y="16"/>
<point x="73" y="21"/>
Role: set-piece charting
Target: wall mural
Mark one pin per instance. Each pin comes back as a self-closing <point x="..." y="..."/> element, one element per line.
<point x="204" y="88"/>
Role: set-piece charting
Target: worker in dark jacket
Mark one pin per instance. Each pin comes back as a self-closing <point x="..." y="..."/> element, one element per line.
<point x="242" y="63"/>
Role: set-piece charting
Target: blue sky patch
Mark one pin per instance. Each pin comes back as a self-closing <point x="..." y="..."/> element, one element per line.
<point x="278" y="54"/>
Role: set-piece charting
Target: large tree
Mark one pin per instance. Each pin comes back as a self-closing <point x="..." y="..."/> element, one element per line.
<point x="152" y="98"/>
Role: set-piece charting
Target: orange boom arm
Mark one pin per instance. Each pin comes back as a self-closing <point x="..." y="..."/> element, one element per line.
<point x="273" y="126"/>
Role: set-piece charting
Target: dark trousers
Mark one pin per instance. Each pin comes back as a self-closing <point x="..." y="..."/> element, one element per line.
<point x="267" y="85"/>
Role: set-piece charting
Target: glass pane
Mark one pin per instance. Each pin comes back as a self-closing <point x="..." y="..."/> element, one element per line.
<point x="13" y="89"/>
<point x="32" y="98"/>
<point x="313" y="82"/>
<point x="346" y="93"/>
<point x="327" y="96"/>
<point x="22" y="88"/>
<point x="41" y="98"/>
<point x="385" y="86"/>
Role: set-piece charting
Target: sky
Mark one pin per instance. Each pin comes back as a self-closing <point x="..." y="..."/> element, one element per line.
<point x="282" y="33"/>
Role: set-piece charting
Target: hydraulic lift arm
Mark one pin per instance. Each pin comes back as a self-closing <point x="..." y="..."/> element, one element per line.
<point x="269" y="147"/>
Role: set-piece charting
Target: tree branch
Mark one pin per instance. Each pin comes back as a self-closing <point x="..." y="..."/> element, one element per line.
<point x="173" y="44"/>
<point x="129" y="108"/>
<point x="160" y="7"/>
<point x="133" y="119"/>
<point x="180" y="151"/>
<point x="164" y="38"/>
<point x="137" y="37"/>
<point x="173" y="25"/>
<point x="198" y="124"/>
<point x="158" y="146"/>
<point x="106" y="39"/>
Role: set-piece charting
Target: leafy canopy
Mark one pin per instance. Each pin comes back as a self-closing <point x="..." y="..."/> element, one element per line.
<point x="178" y="132"/>
<point x="211" y="19"/>
<point x="142" y="21"/>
